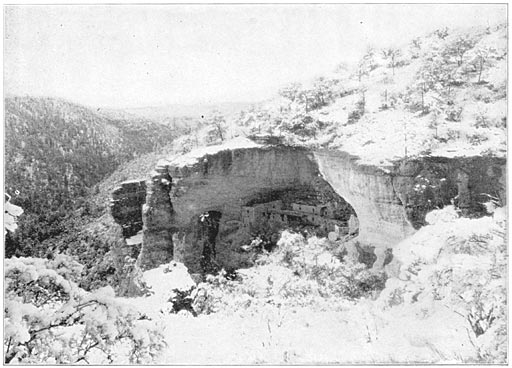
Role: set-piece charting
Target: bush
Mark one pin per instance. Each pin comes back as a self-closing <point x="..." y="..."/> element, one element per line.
<point x="298" y="272"/>
<point x="481" y="120"/>
<point x="453" y="113"/>
<point x="477" y="138"/>
<point x="50" y="320"/>
<point x="357" y="113"/>
<point x="460" y="264"/>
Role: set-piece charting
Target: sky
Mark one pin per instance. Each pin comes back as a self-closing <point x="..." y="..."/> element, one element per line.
<point x="125" y="56"/>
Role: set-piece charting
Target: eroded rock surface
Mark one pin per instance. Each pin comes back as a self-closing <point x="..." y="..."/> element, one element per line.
<point x="390" y="203"/>
<point x="126" y="206"/>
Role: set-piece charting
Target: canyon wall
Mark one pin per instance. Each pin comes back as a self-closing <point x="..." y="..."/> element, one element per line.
<point x="223" y="182"/>
<point x="383" y="220"/>
<point x="390" y="202"/>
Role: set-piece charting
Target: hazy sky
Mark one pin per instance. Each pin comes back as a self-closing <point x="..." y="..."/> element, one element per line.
<point x="135" y="55"/>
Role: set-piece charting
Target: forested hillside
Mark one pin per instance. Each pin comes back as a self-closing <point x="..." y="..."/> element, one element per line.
<point x="55" y="152"/>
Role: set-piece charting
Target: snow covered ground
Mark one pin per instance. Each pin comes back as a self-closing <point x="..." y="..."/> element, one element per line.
<point x="191" y="157"/>
<point x="416" y="318"/>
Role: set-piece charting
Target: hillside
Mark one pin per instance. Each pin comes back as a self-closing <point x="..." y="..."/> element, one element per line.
<point x="91" y="235"/>
<point x="443" y="94"/>
<point x="55" y="152"/>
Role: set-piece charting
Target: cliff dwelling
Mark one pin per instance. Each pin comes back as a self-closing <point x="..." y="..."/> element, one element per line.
<point x="212" y="210"/>
<point x="231" y="235"/>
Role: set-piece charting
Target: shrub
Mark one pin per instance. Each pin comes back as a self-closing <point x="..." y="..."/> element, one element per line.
<point x="296" y="273"/>
<point x="477" y="138"/>
<point x="460" y="264"/>
<point x="357" y="113"/>
<point x="49" y="319"/>
<point x="481" y="120"/>
<point x="182" y="300"/>
<point x="453" y="113"/>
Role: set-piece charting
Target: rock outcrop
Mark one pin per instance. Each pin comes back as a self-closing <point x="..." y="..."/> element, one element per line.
<point x="221" y="182"/>
<point x="126" y="206"/>
<point x="390" y="202"/>
<point x="158" y="217"/>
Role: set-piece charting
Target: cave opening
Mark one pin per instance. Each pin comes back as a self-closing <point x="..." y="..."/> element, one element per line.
<point x="256" y="223"/>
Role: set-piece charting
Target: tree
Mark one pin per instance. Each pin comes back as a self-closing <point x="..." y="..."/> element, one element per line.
<point x="442" y="33"/>
<point x="322" y="90"/>
<point x="435" y="119"/>
<point x="303" y="127"/>
<point x="392" y="54"/>
<point x="216" y="130"/>
<point x="459" y="47"/>
<point x="308" y="99"/>
<point x="416" y="43"/>
<point x="423" y="84"/>
<point x="291" y="91"/>
<point x="49" y="319"/>
<point x="480" y="57"/>
<point x="367" y="64"/>
<point x="362" y="70"/>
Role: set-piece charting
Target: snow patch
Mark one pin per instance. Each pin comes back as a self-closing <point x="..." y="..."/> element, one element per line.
<point x="193" y="156"/>
<point x="165" y="278"/>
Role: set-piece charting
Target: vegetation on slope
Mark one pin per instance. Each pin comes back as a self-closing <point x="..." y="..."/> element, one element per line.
<point x="55" y="153"/>
<point x="440" y="95"/>
<point x="50" y="320"/>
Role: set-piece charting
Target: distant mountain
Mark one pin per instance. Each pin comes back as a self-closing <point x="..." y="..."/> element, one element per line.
<point x="55" y="151"/>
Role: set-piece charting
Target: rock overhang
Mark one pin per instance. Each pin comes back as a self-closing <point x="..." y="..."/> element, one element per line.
<point x="214" y="177"/>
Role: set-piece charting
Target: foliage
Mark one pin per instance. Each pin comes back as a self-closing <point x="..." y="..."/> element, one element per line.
<point x="298" y="272"/>
<point x="291" y="91"/>
<point x="458" y="47"/>
<point x="357" y="113"/>
<point x="481" y="57"/>
<point x="367" y="64"/>
<point x="319" y="95"/>
<point x="392" y="55"/>
<point x="461" y="264"/>
<point x="216" y="128"/>
<point x="49" y="319"/>
<point x="453" y="113"/>
<point x="55" y="153"/>
<point x="416" y="47"/>
<point x="442" y="33"/>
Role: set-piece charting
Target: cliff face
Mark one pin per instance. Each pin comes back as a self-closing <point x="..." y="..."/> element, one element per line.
<point x="126" y="206"/>
<point x="222" y="182"/>
<point x="158" y="218"/>
<point x="390" y="203"/>
<point x="382" y="217"/>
